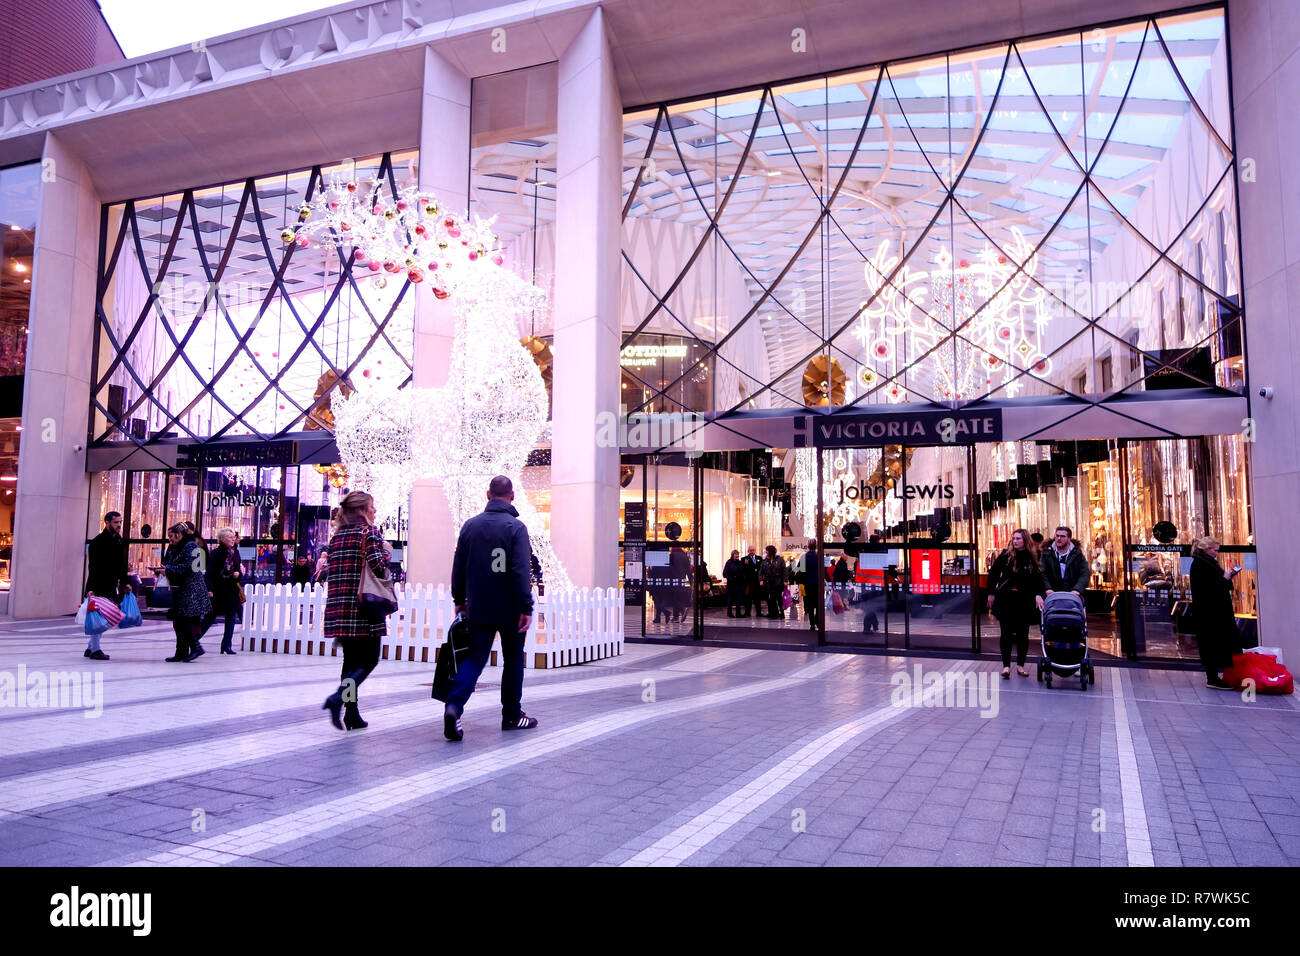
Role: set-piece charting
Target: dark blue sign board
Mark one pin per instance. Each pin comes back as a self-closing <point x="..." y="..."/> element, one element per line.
<point x="904" y="428"/>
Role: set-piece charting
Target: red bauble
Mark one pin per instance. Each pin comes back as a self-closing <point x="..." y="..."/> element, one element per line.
<point x="415" y="275"/>
<point x="419" y="229"/>
<point x="345" y="227"/>
<point x="373" y="266"/>
<point x="392" y="267"/>
<point x="963" y="264"/>
<point x="352" y="187"/>
<point x="498" y="260"/>
<point x="433" y="266"/>
<point x="472" y="255"/>
<point x="440" y="293"/>
<point x="365" y="372"/>
<point x="449" y="223"/>
<point x="401" y="204"/>
<point x="360" y="256"/>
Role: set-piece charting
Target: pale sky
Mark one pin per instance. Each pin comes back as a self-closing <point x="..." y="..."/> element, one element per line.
<point x="147" y="26"/>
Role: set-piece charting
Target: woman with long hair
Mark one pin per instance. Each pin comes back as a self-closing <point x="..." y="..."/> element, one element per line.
<point x="185" y="564"/>
<point x="224" y="572"/>
<point x="1217" y="637"/>
<point x="1015" y="594"/>
<point x="355" y="543"/>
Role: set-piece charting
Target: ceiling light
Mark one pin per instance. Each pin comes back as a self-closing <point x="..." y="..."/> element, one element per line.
<point x="15" y="228"/>
<point x="19" y="267"/>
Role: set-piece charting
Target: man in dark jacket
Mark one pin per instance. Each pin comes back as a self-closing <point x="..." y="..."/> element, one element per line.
<point x="753" y="594"/>
<point x="1064" y="566"/>
<point x="107" y="575"/>
<point x="490" y="585"/>
<point x="734" y="572"/>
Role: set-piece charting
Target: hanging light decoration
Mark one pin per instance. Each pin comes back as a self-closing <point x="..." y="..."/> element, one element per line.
<point x="999" y="316"/>
<point x="493" y="409"/>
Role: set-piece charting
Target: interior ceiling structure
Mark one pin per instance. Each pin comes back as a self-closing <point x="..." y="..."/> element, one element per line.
<point x="1008" y="128"/>
<point x="310" y="276"/>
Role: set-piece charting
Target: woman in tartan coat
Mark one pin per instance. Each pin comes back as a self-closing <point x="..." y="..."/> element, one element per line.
<point x="355" y="541"/>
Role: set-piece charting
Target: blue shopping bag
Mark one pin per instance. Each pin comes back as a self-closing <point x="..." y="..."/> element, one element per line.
<point x="130" y="612"/>
<point x="96" y="623"/>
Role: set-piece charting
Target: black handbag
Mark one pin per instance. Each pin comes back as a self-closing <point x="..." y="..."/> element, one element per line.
<point x="450" y="655"/>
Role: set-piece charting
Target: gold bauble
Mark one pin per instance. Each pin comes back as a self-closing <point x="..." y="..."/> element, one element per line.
<point x="286" y="235"/>
<point x="823" y="382"/>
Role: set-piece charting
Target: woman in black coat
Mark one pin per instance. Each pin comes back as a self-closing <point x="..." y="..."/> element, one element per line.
<point x="1212" y="613"/>
<point x="1016" y="589"/>
<point x="224" y="573"/>
<point x="185" y="565"/>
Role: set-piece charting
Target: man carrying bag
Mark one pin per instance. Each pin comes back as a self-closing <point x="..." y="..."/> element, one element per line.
<point x="452" y="652"/>
<point x="490" y="583"/>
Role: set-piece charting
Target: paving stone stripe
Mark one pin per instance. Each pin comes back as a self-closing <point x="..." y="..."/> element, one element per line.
<point x="696" y="834"/>
<point x="1137" y="838"/>
<point x="251" y="840"/>
<point x="103" y="776"/>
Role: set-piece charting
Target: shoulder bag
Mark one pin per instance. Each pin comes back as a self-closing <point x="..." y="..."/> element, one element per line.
<point x="377" y="595"/>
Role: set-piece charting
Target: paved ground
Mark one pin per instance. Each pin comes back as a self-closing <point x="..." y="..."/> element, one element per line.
<point x="667" y="755"/>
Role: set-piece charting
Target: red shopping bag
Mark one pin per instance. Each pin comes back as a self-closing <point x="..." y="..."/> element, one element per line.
<point x="111" y="612"/>
<point x="1267" y="675"/>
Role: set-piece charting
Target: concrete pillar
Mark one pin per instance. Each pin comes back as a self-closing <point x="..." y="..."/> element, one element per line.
<point x="1265" y="37"/>
<point x="444" y="171"/>
<point x="584" y="477"/>
<point x="53" y="487"/>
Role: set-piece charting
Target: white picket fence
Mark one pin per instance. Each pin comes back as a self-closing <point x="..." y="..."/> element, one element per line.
<point x="568" y="627"/>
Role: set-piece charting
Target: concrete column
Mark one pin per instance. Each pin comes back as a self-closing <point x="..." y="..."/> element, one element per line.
<point x="444" y="171"/>
<point x="1265" y="38"/>
<point x="584" y="477"/>
<point x="53" y="487"/>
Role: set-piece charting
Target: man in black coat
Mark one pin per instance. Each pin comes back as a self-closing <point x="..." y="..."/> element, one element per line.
<point x="1064" y="566"/>
<point x="106" y="575"/>
<point x="490" y="584"/>
<point x="753" y="594"/>
<point x="734" y="572"/>
<point x="1217" y="636"/>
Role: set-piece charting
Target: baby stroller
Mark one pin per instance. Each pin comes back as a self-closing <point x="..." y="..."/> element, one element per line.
<point x="1065" y="640"/>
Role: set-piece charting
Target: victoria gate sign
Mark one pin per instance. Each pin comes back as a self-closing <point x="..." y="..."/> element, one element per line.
<point x="901" y="428"/>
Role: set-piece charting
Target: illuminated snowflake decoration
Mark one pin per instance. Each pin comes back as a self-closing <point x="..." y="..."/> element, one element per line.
<point x="999" y="316"/>
<point x="492" y="411"/>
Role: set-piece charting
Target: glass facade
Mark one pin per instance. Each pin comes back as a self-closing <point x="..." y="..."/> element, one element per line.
<point x="1045" y="218"/>
<point x="209" y="325"/>
<point x="19" y="190"/>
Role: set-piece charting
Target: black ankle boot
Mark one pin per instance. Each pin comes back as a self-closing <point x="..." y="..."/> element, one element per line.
<point x="180" y="654"/>
<point x="352" y="717"/>
<point x="334" y="704"/>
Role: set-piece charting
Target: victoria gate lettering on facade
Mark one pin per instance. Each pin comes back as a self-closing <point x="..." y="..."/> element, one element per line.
<point x="905" y="428"/>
